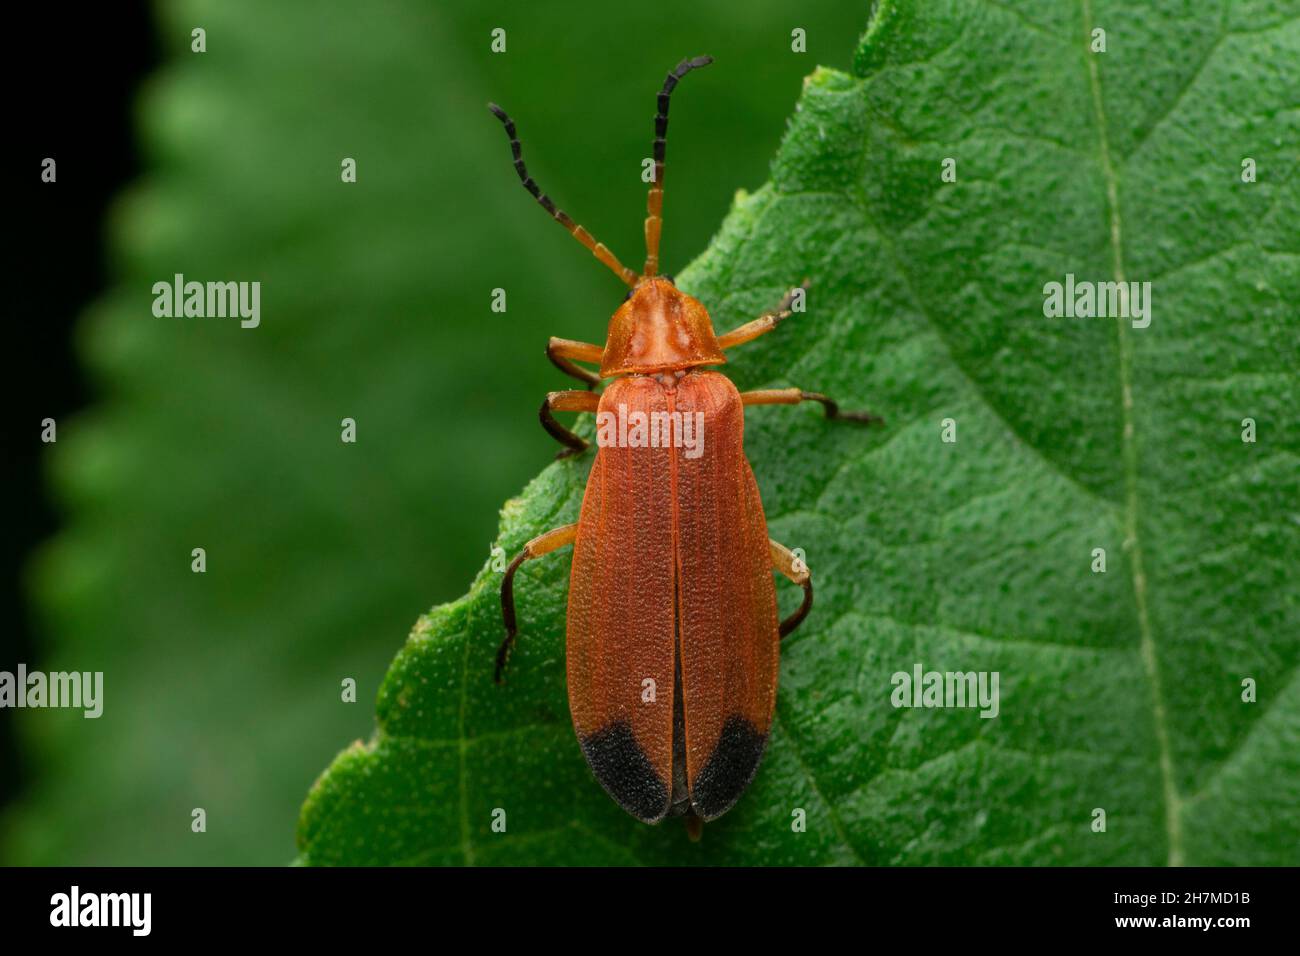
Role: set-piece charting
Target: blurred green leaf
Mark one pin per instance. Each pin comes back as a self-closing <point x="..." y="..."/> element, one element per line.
<point x="223" y="690"/>
<point x="1120" y="690"/>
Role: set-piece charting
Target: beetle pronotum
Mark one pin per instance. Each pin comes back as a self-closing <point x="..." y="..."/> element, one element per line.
<point x="671" y="586"/>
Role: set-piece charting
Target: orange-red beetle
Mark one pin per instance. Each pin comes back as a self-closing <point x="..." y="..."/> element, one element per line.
<point x="672" y="620"/>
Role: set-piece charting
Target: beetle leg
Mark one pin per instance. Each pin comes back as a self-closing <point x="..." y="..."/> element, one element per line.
<point x="764" y="323"/>
<point x="542" y="544"/>
<point x="793" y="396"/>
<point x="562" y="352"/>
<point x="571" y="400"/>
<point x="784" y="560"/>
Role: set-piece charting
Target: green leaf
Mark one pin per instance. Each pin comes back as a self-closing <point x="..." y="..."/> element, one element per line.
<point x="1120" y="691"/>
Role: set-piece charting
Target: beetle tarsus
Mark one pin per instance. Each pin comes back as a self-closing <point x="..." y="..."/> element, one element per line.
<point x="503" y="653"/>
<point x="508" y="613"/>
<point x="794" y="620"/>
<point x="866" y="418"/>
<point x="570" y="452"/>
<point x="573" y="445"/>
<point x="833" y="411"/>
<point x="782" y="310"/>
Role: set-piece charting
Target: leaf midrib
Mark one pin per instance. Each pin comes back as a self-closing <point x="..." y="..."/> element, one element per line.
<point x="1132" y="541"/>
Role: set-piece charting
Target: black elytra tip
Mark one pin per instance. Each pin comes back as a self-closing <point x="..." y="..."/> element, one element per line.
<point x="729" y="769"/>
<point x="625" y="772"/>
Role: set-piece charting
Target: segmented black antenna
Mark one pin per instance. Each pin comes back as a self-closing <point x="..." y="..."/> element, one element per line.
<point x="598" y="249"/>
<point x="655" y="201"/>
